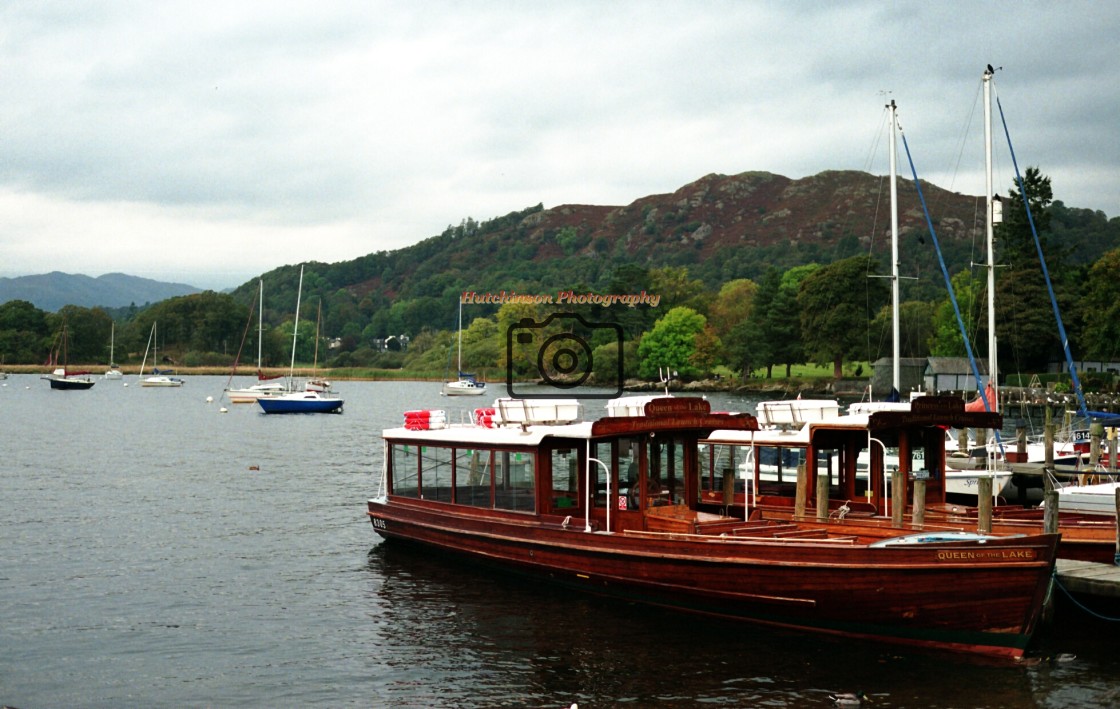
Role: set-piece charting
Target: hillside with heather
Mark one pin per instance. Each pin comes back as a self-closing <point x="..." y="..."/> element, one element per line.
<point x="717" y="247"/>
<point x="720" y="227"/>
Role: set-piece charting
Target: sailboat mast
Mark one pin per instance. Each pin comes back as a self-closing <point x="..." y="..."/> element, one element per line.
<point x="894" y="250"/>
<point x="295" y="326"/>
<point x="459" y="370"/>
<point x="993" y="370"/>
<point x="260" y="328"/>
<point x="318" y="319"/>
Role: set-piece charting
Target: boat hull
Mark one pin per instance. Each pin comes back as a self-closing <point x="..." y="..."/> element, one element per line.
<point x="161" y="381"/>
<point x="936" y="596"/>
<point x="283" y="405"/>
<point x="71" y="384"/>
<point x="463" y="388"/>
<point x="252" y="394"/>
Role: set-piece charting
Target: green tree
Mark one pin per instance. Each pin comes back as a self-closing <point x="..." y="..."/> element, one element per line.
<point x="24" y="333"/>
<point x="732" y="305"/>
<point x="915" y="330"/>
<point x="1100" y="308"/>
<point x="836" y="303"/>
<point x="1025" y="328"/>
<point x="784" y="318"/>
<point x="708" y="350"/>
<point x="671" y="343"/>
<point x="945" y="337"/>
<point x="749" y="342"/>
<point x="676" y="288"/>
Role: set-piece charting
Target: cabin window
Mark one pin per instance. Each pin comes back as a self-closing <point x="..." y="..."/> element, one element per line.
<point x="828" y="465"/>
<point x="666" y="471"/>
<point x="718" y="462"/>
<point x="515" y="481"/>
<point x="472" y="477"/>
<point x="599" y="473"/>
<point x="628" y="467"/>
<point x="777" y="468"/>
<point x="436" y="475"/>
<point x="406" y="470"/>
<point x="565" y="479"/>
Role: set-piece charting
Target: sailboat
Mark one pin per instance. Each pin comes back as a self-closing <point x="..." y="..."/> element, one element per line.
<point x="961" y="483"/>
<point x="113" y="372"/>
<point x="158" y="379"/>
<point x="466" y="384"/>
<point x="265" y="386"/>
<point x="312" y="399"/>
<point x="62" y="377"/>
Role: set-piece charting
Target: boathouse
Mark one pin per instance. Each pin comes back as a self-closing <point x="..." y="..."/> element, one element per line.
<point x="953" y="374"/>
<point x="911" y="373"/>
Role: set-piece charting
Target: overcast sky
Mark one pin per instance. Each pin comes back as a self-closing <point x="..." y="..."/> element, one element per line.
<point x="208" y="142"/>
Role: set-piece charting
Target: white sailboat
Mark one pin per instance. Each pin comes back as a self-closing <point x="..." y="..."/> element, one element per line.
<point x="265" y="386"/>
<point x="316" y="397"/>
<point x="113" y="372"/>
<point x="157" y="379"/>
<point x="465" y="384"/>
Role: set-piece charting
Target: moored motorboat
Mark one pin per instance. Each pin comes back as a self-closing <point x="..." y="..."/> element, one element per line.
<point x="616" y="506"/>
<point x="848" y="480"/>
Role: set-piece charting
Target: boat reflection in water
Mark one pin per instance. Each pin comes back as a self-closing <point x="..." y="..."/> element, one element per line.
<point x="625" y="506"/>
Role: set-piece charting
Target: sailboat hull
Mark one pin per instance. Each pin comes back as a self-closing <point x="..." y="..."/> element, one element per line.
<point x="65" y="383"/>
<point x="463" y="388"/>
<point x="301" y="403"/>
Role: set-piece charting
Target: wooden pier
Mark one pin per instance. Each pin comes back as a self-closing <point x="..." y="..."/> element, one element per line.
<point x="1093" y="588"/>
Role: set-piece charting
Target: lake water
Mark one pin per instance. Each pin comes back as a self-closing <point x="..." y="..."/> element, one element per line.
<point x="155" y="552"/>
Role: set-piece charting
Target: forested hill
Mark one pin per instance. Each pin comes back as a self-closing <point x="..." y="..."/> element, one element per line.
<point x="721" y="227"/>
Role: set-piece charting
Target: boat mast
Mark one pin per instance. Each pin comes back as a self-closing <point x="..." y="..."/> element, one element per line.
<point x="260" y="328"/>
<point x="295" y="326"/>
<point x="318" y="318"/>
<point x="459" y="364"/>
<point x="993" y="371"/>
<point x="894" y="250"/>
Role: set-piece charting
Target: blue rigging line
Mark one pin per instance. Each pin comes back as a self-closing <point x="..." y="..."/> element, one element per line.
<point x="1049" y="286"/>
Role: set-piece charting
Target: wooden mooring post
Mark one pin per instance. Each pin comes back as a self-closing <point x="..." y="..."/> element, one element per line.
<point x="984" y="501"/>
<point x="1096" y="432"/>
<point x="919" y="505"/>
<point x="822" y="497"/>
<point x="801" y="495"/>
<point x="1050" y="511"/>
<point x="898" y="497"/>
<point x="1048" y="435"/>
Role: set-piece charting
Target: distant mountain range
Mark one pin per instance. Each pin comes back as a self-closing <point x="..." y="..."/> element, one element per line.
<point x="51" y="291"/>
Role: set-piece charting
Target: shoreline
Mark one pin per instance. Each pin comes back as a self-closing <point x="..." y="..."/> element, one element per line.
<point x="826" y="388"/>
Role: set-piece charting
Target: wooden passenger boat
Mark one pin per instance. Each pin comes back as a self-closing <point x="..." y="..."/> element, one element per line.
<point x="848" y="452"/>
<point x="616" y="506"/>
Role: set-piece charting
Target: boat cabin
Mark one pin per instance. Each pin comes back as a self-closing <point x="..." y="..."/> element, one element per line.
<point x="537" y="457"/>
<point x="852" y="456"/>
